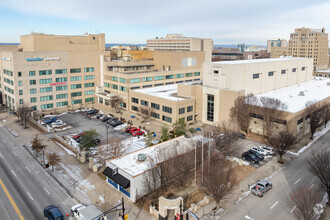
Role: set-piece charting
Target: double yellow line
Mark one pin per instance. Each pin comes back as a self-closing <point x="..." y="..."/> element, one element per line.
<point x="11" y="200"/>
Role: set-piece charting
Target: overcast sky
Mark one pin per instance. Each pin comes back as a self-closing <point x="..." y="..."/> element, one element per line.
<point x="134" y="21"/>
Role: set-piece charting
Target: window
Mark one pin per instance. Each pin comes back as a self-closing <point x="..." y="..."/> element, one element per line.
<point x="33" y="91"/>
<point x="155" y="106"/>
<point x="135" y="100"/>
<point x="113" y="78"/>
<point x="90" y="92"/>
<point x="45" y="81"/>
<point x="122" y="80"/>
<point x="34" y="107"/>
<point x="159" y="78"/>
<point x="169" y="77"/>
<point x="169" y="83"/>
<point x="144" y="103"/>
<point x="8" y="72"/>
<point x="91" y="99"/>
<point x="75" y="70"/>
<point x="76" y="86"/>
<point x="46" y="106"/>
<point x="20" y="83"/>
<point x="303" y="68"/>
<point x="121" y="88"/>
<point x="87" y="85"/>
<point x="283" y="71"/>
<point x="190" y="108"/>
<point x="33" y="82"/>
<point x="188" y="80"/>
<point x="136" y="87"/>
<point x="114" y="86"/>
<point x="46" y="98"/>
<point x="62" y="96"/>
<point x="60" y="104"/>
<point x="294" y="70"/>
<point x="167" y="119"/>
<point x="181" y="111"/>
<point x="256" y="76"/>
<point x="19" y="74"/>
<point x="34" y="99"/>
<point x="188" y="74"/>
<point x="300" y="121"/>
<point x="179" y="75"/>
<point x="62" y="79"/>
<point x="61" y="88"/>
<point x="45" y="72"/>
<point x="167" y="109"/>
<point x="146" y="86"/>
<point x="216" y="71"/>
<point x="89" y="69"/>
<point x="271" y="73"/>
<point x="210" y="107"/>
<point x="190" y="118"/>
<point x="61" y="71"/>
<point x="147" y="79"/>
<point x="155" y="115"/>
<point x="75" y="78"/>
<point x="178" y="82"/>
<point x="107" y="85"/>
<point x="89" y="77"/>
<point x="135" y="80"/>
<point x="159" y="84"/>
<point x="196" y="74"/>
<point x="32" y="73"/>
<point x="46" y="89"/>
<point x="123" y="104"/>
<point x="21" y="101"/>
<point x="20" y="92"/>
<point x="75" y="94"/>
<point x="78" y="101"/>
<point x="134" y="108"/>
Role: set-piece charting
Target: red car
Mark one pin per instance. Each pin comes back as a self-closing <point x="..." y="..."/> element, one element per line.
<point x="133" y="130"/>
<point x="129" y="128"/>
<point x="77" y="136"/>
<point x="138" y="133"/>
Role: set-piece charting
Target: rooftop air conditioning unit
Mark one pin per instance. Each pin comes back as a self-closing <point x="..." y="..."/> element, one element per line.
<point x="141" y="157"/>
<point x="302" y="93"/>
<point x="328" y="83"/>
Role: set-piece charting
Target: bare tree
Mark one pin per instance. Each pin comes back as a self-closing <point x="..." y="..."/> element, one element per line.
<point x="271" y="110"/>
<point x="36" y="145"/>
<point x="243" y="107"/>
<point x="326" y="115"/>
<point x="220" y="180"/>
<point x="282" y="141"/>
<point x="316" y="114"/>
<point x="115" y="101"/>
<point x="319" y="164"/>
<point x="113" y="150"/>
<point x="303" y="202"/>
<point x="23" y="112"/>
<point x="53" y="160"/>
<point x="146" y="113"/>
<point x="152" y="179"/>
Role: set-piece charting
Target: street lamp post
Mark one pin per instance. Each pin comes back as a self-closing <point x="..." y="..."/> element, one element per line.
<point x="107" y="127"/>
<point x="43" y="157"/>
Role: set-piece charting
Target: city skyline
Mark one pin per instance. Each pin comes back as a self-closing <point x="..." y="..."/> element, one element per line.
<point x="250" y="22"/>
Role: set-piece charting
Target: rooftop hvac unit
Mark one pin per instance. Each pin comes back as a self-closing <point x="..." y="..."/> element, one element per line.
<point x="142" y="157"/>
<point x="328" y="83"/>
<point x="302" y="93"/>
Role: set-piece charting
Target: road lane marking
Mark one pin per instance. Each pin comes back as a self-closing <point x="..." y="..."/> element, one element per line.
<point x="28" y="169"/>
<point x="14" y="153"/>
<point x="311" y="187"/>
<point x="13" y="172"/>
<point x="46" y="191"/>
<point x="274" y="205"/>
<point x="1" y="156"/>
<point x="293" y="208"/>
<point x="4" y="141"/>
<point x="11" y="200"/>
<point x="30" y="195"/>
<point x="297" y="181"/>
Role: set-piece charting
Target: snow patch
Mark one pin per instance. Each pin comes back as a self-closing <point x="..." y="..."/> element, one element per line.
<point x="66" y="149"/>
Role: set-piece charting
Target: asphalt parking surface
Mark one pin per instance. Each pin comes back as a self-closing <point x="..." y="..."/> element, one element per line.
<point x="81" y="122"/>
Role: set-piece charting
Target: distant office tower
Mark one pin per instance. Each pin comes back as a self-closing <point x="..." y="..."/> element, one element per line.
<point x="177" y="42"/>
<point x="312" y="43"/>
<point x="241" y="47"/>
<point x="276" y="43"/>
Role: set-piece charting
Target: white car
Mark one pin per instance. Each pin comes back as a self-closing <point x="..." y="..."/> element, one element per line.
<point x="269" y="149"/>
<point x="260" y="150"/>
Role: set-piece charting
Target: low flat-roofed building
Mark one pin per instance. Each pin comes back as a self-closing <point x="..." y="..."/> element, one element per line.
<point x="322" y="73"/>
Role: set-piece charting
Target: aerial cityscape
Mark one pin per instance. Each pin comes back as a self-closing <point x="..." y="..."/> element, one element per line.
<point x="174" y="110"/>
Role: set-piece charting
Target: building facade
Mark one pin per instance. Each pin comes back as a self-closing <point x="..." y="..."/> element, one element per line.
<point x="276" y="43"/>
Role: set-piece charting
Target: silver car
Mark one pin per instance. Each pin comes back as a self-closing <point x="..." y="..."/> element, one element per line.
<point x="261" y="187"/>
<point x="269" y="149"/>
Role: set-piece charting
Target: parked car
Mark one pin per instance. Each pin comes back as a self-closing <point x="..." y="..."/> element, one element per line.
<point x="102" y="117"/>
<point x="106" y="119"/>
<point x="134" y="130"/>
<point x="269" y="149"/>
<point x="260" y="151"/>
<point x="53" y="213"/>
<point x="99" y="116"/>
<point x="116" y="123"/>
<point x="97" y="141"/>
<point x="77" y="135"/>
<point x="250" y="157"/>
<point x="92" y="112"/>
<point x="128" y="128"/>
<point x="50" y="120"/>
<point x="239" y="135"/>
<point x="119" y="123"/>
<point x="138" y="133"/>
<point x="259" y="156"/>
<point x="261" y="187"/>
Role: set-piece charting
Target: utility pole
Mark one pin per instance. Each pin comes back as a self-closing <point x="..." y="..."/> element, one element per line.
<point x="195" y="164"/>
<point x="123" y="208"/>
<point x="208" y="156"/>
<point x="202" y="155"/>
<point x="107" y="127"/>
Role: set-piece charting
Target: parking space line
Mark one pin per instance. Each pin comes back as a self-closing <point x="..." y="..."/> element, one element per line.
<point x="28" y="169"/>
<point x="46" y="191"/>
<point x="13" y="172"/>
<point x="274" y="205"/>
<point x="4" y="141"/>
<point x="297" y="181"/>
<point x="1" y="156"/>
<point x="15" y="153"/>
<point x="30" y="195"/>
<point x="293" y="209"/>
<point x="311" y="187"/>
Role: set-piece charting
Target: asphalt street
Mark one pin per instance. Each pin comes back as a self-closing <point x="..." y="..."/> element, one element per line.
<point x="275" y="204"/>
<point x="25" y="187"/>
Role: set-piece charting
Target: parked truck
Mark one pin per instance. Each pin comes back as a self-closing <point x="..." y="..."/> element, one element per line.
<point x="83" y="212"/>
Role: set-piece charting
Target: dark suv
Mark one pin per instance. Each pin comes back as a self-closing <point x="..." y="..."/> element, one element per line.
<point x="255" y="153"/>
<point x="250" y="157"/>
<point x="53" y="213"/>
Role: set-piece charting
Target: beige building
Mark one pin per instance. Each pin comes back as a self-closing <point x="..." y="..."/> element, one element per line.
<point x="277" y="52"/>
<point x="310" y="43"/>
<point x="177" y="42"/>
<point x="48" y="72"/>
<point x="276" y="43"/>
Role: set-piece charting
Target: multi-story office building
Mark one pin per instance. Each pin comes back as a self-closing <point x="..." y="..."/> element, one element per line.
<point x="177" y="42"/>
<point x="276" y="43"/>
<point x="310" y="43"/>
<point x="49" y="71"/>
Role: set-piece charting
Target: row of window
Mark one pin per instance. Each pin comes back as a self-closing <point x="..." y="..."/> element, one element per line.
<point x="59" y="71"/>
<point x="271" y="73"/>
<point x="59" y="104"/>
<point x="156" y="78"/>
<point x="160" y="84"/>
<point x="11" y="82"/>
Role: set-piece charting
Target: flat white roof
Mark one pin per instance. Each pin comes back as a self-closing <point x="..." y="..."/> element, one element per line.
<point x="166" y="92"/>
<point x="260" y="60"/>
<point x="324" y="71"/>
<point x="314" y="90"/>
<point x="129" y="164"/>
